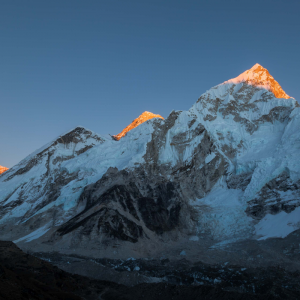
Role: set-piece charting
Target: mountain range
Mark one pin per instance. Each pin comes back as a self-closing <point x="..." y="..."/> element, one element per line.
<point x="225" y="171"/>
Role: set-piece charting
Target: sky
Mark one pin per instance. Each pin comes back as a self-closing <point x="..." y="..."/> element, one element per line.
<point x="100" y="64"/>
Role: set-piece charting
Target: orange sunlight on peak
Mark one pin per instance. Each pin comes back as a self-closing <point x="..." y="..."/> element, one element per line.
<point x="3" y="169"/>
<point x="260" y="77"/>
<point x="145" y="116"/>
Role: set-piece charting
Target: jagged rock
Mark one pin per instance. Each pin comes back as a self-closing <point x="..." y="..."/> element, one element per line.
<point x="279" y="194"/>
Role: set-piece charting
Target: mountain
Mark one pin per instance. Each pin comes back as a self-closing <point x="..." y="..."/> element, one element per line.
<point x="145" y="116"/>
<point x="3" y="169"/>
<point x="260" y="77"/>
<point x="38" y="182"/>
<point x="225" y="171"/>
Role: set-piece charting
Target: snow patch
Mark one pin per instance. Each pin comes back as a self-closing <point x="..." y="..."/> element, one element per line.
<point x="34" y="235"/>
<point x="210" y="157"/>
<point x="279" y="225"/>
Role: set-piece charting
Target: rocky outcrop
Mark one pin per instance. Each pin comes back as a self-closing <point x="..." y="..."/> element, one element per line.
<point x="122" y="205"/>
<point x="279" y="194"/>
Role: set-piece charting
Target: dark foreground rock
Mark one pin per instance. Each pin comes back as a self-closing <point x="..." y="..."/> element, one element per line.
<point x="23" y="276"/>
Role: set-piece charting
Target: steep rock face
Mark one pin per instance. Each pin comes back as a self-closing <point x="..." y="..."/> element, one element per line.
<point x="222" y="170"/>
<point x="122" y="205"/>
<point x="3" y="169"/>
<point x="145" y="116"/>
<point x="279" y="194"/>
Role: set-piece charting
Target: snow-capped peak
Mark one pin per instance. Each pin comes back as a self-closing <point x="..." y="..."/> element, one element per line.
<point x="260" y="77"/>
<point x="3" y="169"/>
<point x="257" y="66"/>
<point x="145" y="116"/>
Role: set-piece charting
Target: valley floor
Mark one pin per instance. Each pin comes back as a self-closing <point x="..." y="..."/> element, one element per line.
<point x="24" y="276"/>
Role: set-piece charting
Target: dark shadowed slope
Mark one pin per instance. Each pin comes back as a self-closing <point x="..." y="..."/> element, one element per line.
<point x="26" y="277"/>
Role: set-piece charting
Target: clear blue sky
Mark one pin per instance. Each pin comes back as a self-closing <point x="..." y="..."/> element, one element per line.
<point x="100" y="64"/>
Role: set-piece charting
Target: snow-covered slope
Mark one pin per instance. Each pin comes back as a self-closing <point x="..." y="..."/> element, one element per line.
<point x="256" y="133"/>
<point x="226" y="169"/>
<point x="40" y="180"/>
<point x="43" y="189"/>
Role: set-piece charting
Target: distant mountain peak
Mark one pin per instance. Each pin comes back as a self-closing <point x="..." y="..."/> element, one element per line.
<point x="3" y="169"/>
<point x="145" y="116"/>
<point x="260" y="77"/>
<point x="76" y="135"/>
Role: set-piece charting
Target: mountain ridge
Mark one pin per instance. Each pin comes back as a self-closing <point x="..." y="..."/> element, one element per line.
<point x="145" y="116"/>
<point x="225" y="170"/>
